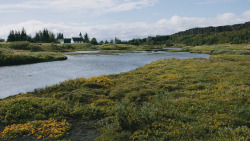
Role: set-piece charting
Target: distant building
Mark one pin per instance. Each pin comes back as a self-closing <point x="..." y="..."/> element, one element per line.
<point x="67" y="40"/>
<point x="76" y="40"/>
<point x="71" y="40"/>
<point x="61" y="41"/>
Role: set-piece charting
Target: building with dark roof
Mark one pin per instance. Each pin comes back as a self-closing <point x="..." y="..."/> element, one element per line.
<point x="71" y="40"/>
<point x="67" y="40"/>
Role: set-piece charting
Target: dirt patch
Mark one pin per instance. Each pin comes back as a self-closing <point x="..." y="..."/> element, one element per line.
<point x="82" y="131"/>
<point x="1" y="127"/>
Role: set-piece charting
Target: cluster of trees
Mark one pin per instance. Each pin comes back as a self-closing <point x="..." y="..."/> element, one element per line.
<point x="44" y="36"/>
<point x="18" y="36"/>
<point x="86" y="39"/>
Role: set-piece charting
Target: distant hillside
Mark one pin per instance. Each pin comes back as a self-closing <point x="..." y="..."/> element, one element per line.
<point x="208" y="30"/>
<point x="234" y="34"/>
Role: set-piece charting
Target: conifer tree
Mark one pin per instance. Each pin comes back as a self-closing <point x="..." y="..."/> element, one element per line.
<point x="59" y="36"/>
<point x="11" y="36"/>
<point x="86" y="38"/>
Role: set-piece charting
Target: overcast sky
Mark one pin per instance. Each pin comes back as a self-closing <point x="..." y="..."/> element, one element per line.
<point x="125" y="19"/>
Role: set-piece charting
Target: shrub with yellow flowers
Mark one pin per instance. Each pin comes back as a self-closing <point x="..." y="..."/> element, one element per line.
<point x="49" y="129"/>
<point x="102" y="81"/>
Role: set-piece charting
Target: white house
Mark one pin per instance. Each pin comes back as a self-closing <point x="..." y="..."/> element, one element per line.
<point x="76" y="40"/>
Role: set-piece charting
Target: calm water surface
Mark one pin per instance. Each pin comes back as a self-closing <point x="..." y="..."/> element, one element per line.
<point x="26" y="78"/>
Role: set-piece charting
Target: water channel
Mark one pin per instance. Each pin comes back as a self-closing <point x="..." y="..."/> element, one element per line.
<point x="26" y="78"/>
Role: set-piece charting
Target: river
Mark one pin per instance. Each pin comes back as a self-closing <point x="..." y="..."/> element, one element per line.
<point x="26" y="78"/>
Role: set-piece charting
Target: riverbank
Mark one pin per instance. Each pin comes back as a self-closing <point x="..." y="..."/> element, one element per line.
<point x="14" y="57"/>
<point x="18" y="53"/>
<point x="173" y="99"/>
<point x="23" y="52"/>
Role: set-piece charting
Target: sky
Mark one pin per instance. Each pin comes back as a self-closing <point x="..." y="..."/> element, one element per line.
<point x="124" y="19"/>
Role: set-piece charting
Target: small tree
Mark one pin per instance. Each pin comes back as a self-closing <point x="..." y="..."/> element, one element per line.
<point x="111" y="41"/>
<point x="11" y="36"/>
<point x="117" y="40"/>
<point x="59" y="36"/>
<point x="23" y="36"/>
<point x="2" y="40"/>
<point x="101" y="42"/>
<point x="86" y="38"/>
<point x="80" y="35"/>
<point x="94" y="41"/>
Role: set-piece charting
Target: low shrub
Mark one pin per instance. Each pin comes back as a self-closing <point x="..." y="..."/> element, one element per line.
<point x="35" y="47"/>
<point x="220" y="51"/>
<point x="48" y="129"/>
<point x="21" y="45"/>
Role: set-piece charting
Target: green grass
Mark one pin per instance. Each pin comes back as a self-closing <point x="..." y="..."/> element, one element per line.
<point x="18" y="57"/>
<point x="173" y="99"/>
<point x="18" y="53"/>
<point x="240" y="49"/>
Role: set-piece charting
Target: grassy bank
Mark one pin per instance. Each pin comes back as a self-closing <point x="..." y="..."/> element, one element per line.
<point x="226" y="49"/>
<point x="17" y="53"/>
<point x="174" y="99"/>
<point x="17" y="57"/>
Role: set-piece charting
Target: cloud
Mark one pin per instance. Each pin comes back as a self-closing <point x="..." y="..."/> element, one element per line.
<point x="214" y="1"/>
<point x="126" y="31"/>
<point x="246" y="15"/>
<point x="84" y="6"/>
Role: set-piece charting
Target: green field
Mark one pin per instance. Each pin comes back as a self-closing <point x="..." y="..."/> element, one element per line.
<point x="173" y="99"/>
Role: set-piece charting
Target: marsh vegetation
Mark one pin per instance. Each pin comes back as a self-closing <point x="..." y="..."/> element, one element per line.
<point x="173" y="99"/>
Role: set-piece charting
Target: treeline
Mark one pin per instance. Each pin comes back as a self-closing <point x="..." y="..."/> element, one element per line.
<point x="44" y="36"/>
<point x="232" y="37"/>
<point x="209" y="30"/>
<point x="235" y="34"/>
<point x="18" y="36"/>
